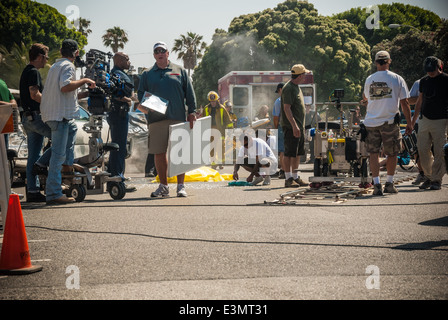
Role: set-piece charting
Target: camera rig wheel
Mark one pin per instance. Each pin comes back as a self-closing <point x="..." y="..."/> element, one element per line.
<point x="117" y="190"/>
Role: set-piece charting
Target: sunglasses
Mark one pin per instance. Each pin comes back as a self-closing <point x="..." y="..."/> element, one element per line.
<point x="157" y="51"/>
<point x="45" y="56"/>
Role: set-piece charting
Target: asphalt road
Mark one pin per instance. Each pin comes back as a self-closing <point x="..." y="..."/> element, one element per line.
<point x="226" y="243"/>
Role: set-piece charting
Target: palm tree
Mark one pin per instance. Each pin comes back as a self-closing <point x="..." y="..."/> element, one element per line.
<point x="12" y="63"/>
<point x="84" y="25"/>
<point x="190" y="49"/>
<point x="115" y="38"/>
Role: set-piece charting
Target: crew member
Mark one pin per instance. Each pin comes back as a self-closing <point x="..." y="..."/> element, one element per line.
<point x="31" y="87"/>
<point x="432" y="126"/>
<point x="292" y="121"/>
<point x="59" y="108"/>
<point x="257" y="157"/>
<point x="118" y="117"/>
<point x="168" y="81"/>
<point x="385" y="91"/>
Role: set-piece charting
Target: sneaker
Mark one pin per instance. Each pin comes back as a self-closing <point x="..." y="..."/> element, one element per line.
<point x="435" y="185"/>
<point x="420" y="178"/>
<point x="289" y="183"/>
<point x="257" y="180"/>
<point x="267" y="181"/>
<point x="161" y="192"/>
<point x="35" y="197"/>
<point x="300" y="182"/>
<point x="62" y="200"/>
<point x="378" y="190"/>
<point x="425" y="185"/>
<point x="181" y="193"/>
<point x="390" y="188"/>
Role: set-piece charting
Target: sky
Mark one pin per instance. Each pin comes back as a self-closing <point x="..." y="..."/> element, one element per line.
<point x="149" y="21"/>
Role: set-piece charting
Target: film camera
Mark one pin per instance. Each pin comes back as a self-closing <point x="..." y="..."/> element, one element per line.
<point x="108" y="85"/>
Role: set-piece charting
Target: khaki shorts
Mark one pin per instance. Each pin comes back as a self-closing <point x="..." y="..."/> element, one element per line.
<point x="159" y="135"/>
<point x="387" y="135"/>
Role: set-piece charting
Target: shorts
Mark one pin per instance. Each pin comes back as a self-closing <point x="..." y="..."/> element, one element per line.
<point x="159" y="135"/>
<point x="293" y="146"/>
<point x="387" y="135"/>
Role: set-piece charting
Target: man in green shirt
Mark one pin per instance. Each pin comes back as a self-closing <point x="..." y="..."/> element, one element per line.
<point x="292" y="120"/>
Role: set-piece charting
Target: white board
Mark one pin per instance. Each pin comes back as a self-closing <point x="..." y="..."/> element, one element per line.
<point x="189" y="149"/>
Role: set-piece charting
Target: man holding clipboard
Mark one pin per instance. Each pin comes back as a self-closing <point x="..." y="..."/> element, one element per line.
<point x="166" y="94"/>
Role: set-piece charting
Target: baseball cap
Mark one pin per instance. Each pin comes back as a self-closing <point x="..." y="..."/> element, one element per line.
<point x="160" y="44"/>
<point x="431" y="64"/>
<point x="298" y="69"/>
<point x="279" y="86"/>
<point x="382" y="55"/>
<point x="70" y="44"/>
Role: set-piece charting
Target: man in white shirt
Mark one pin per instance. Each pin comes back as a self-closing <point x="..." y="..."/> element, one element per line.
<point x="258" y="158"/>
<point x="385" y="91"/>
<point x="59" y="109"/>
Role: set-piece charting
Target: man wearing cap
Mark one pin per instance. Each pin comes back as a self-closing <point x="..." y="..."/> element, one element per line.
<point x="385" y="92"/>
<point x="118" y="117"/>
<point x="59" y="108"/>
<point x="170" y="82"/>
<point x="276" y="112"/>
<point x="432" y="103"/>
<point x="292" y="121"/>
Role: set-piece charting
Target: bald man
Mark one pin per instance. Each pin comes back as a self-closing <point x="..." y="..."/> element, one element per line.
<point x="118" y="118"/>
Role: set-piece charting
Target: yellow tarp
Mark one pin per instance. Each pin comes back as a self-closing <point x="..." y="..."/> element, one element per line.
<point x="203" y="174"/>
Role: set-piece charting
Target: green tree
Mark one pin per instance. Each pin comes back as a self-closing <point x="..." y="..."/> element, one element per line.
<point x="276" y="39"/>
<point x="395" y="13"/>
<point x="115" y="38"/>
<point x="441" y="41"/>
<point x="408" y="51"/>
<point x="26" y="21"/>
<point x="190" y="48"/>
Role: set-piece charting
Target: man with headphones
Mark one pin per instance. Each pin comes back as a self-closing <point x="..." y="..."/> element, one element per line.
<point x="432" y="103"/>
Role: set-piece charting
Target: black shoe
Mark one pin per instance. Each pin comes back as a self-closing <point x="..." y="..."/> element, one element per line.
<point x="425" y="185"/>
<point x="130" y="188"/>
<point x="38" y="170"/>
<point x="35" y="197"/>
<point x="281" y="174"/>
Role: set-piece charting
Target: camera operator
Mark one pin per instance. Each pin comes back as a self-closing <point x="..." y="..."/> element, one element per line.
<point x="59" y="108"/>
<point x="118" y="118"/>
<point x="385" y="91"/>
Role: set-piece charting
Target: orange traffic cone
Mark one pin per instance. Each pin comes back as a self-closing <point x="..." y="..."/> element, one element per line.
<point x="15" y="257"/>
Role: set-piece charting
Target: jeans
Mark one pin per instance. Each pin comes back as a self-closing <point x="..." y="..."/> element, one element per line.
<point x="36" y="131"/>
<point x="119" y="125"/>
<point x="63" y="135"/>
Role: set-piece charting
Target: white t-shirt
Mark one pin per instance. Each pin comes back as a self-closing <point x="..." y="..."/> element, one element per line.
<point x="57" y="105"/>
<point x="384" y="90"/>
<point x="259" y="149"/>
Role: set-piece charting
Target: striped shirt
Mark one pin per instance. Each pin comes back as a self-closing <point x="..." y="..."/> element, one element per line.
<point x="57" y="105"/>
